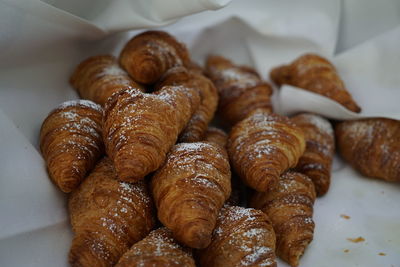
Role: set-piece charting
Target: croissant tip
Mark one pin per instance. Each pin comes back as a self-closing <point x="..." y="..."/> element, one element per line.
<point x="296" y="252"/>
<point x="200" y="238"/>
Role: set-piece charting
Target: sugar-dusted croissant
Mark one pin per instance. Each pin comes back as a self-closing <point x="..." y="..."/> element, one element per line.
<point x="242" y="237"/>
<point x="147" y="56"/>
<point x="372" y="146"/>
<point x="316" y="74"/>
<point x="140" y="129"/>
<point x="240" y="88"/>
<point x="316" y="161"/>
<point x="71" y="142"/>
<point x="98" y="77"/>
<point x="263" y="146"/>
<point x="290" y="208"/>
<point x="197" y="126"/>
<point x="107" y="216"/>
<point x="189" y="190"/>
<point x="216" y="136"/>
<point x="158" y="249"/>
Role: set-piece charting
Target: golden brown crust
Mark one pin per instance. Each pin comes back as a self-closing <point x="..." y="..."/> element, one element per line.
<point x="242" y="237"/>
<point x="147" y="56"/>
<point x="107" y="216"/>
<point x="197" y="126"/>
<point x="140" y="129"/>
<point x="71" y="142"/>
<point x="316" y="74"/>
<point x="372" y="146"/>
<point x="263" y="146"/>
<point x="217" y="136"/>
<point x="290" y="208"/>
<point x="158" y="249"/>
<point x="240" y="88"/>
<point x="190" y="189"/>
<point x="97" y="78"/>
<point x="316" y="161"/>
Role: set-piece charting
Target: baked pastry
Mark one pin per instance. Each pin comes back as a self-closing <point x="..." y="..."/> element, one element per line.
<point x="98" y="77"/>
<point x="107" y="216"/>
<point x="189" y="190"/>
<point x="71" y="142"/>
<point x="140" y="129"/>
<point x="290" y="208"/>
<point x="263" y="146"/>
<point x="316" y="161"/>
<point x="316" y="74"/>
<point x="242" y="237"/>
<point x="240" y="88"/>
<point x="197" y="126"/>
<point x="158" y="249"/>
<point x="217" y="136"/>
<point x="147" y="56"/>
<point x="371" y="146"/>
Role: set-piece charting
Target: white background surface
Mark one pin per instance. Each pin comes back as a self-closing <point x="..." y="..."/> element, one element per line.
<point x="40" y="48"/>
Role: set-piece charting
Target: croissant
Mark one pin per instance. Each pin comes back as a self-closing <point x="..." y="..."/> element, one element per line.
<point x="71" y="143"/>
<point x="290" y="208"/>
<point x="263" y="146"/>
<point x="107" y="216"/>
<point x="372" y="146"/>
<point x="189" y="190"/>
<point x="217" y="136"/>
<point x="316" y="74"/>
<point x="139" y="129"/>
<point x="316" y="161"/>
<point x="197" y="126"/>
<point x="242" y="237"/>
<point x="98" y="77"/>
<point x="147" y="56"/>
<point x="157" y="249"/>
<point x="240" y="88"/>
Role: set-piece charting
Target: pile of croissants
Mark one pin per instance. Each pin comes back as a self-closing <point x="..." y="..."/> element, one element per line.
<point x="139" y="144"/>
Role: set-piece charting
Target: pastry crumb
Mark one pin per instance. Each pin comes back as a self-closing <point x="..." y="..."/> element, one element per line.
<point x="344" y="216"/>
<point x="356" y="240"/>
<point x="346" y="250"/>
<point x="381" y="254"/>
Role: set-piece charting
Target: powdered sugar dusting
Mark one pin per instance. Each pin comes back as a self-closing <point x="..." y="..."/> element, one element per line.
<point x="319" y="122"/>
<point x="245" y="230"/>
<point x="113" y="70"/>
<point x="195" y="146"/>
<point x="159" y="243"/>
<point x="82" y="102"/>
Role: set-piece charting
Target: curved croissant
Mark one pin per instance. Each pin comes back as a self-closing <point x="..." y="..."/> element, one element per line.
<point x="219" y="137"/>
<point x="316" y="161"/>
<point x="263" y="146"/>
<point x="147" y="56"/>
<point x="71" y="143"/>
<point x="242" y="237"/>
<point x="190" y="189"/>
<point x="198" y="123"/>
<point x="107" y="216"/>
<point x="158" y="249"/>
<point x="140" y="129"/>
<point x="290" y="208"/>
<point x="240" y="88"/>
<point x="98" y="77"/>
<point x="372" y="146"/>
<point x="316" y="74"/>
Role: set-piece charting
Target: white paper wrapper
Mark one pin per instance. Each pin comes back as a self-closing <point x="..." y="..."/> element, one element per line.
<point x="41" y="47"/>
